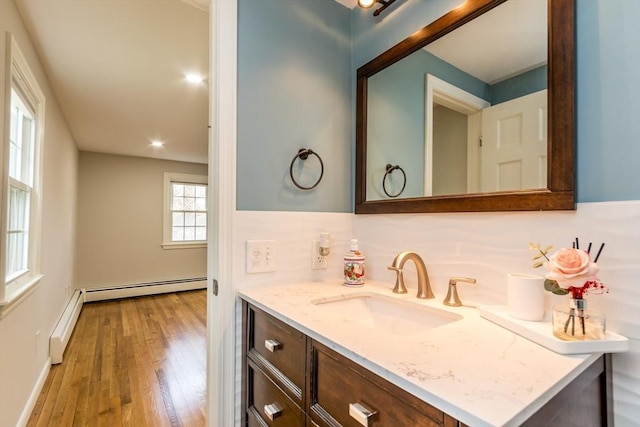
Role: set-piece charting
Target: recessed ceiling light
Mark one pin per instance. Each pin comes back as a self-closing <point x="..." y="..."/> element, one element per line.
<point x="157" y="143"/>
<point x="194" y="78"/>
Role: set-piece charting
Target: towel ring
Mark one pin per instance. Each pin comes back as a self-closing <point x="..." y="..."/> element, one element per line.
<point x="303" y="154"/>
<point x="389" y="169"/>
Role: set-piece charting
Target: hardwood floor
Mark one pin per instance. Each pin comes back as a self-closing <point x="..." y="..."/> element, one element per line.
<point x="132" y="362"/>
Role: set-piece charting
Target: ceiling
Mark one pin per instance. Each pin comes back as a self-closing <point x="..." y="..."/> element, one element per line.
<point x="502" y="43"/>
<point x="348" y="3"/>
<point x="117" y="68"/>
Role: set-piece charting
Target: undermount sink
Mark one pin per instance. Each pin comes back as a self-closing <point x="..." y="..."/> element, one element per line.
<point x="386" y="314"/>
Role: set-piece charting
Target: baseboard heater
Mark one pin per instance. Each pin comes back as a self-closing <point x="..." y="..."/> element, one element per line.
<point x="145" y="288"/>
<point x="61" y="334"/>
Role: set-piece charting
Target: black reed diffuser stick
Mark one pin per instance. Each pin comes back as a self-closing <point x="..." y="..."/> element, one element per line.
<point x="599" y="252"/>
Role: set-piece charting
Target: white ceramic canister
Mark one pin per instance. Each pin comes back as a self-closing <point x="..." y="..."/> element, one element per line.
<point x="354" y="266"/>
<point x="525" y="296"/>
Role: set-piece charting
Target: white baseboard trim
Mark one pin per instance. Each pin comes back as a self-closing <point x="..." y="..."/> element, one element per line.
<point x="142" y="289"/>
<point x="62" y="332"/>
<point x="35" y="393"/>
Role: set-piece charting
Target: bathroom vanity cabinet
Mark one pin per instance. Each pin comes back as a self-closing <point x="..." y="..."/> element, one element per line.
<point x="274" y="372"/>
<point x="290" y="379"/>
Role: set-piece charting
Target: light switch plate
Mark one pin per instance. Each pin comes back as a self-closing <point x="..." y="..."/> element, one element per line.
<point x="261" y="256"/>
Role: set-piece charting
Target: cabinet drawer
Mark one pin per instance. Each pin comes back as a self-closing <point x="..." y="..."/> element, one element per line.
<point x="267" y="404"/>
<point x="338" y="382"/>
<point x="280" y="349"/>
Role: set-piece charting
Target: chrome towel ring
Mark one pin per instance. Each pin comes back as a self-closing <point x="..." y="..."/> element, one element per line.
<point x="389" y="169"/>
<point x="304" y="154"/>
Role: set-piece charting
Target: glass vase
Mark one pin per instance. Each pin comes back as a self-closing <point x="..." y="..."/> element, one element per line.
<point x="574" y="322"/>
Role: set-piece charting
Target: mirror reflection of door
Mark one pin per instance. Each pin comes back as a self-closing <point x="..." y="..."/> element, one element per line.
<point x="452" y="135"/>
<point x="496" y="57"/>
<point x="504" y="146"/>
<point x="514" y="149"/>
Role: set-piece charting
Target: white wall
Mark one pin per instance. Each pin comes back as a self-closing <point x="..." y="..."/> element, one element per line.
<point x="120" y="202"/>
<point x="293" y="233"/>
<point x="23" y="357"/>
<point x="485" y="246"/>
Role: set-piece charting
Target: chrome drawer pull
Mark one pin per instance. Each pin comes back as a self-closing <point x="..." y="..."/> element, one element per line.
<point x="272" y="345"/>
<point x="361" y="414"/>
<point x="272" y="410"/>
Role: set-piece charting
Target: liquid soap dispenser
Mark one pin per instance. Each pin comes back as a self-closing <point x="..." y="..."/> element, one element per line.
<point x="354" y="266"/>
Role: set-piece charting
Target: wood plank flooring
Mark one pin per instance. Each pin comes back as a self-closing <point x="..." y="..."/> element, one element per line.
<point x="132" y="362"/>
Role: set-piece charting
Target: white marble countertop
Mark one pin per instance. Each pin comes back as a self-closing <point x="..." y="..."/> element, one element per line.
<point x="472" y="369"/>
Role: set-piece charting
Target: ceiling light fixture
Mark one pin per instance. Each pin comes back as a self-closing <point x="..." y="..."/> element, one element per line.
<point x="157" y="143"/>
<point x="365" y="4"/>
<point x="194" y="78"/>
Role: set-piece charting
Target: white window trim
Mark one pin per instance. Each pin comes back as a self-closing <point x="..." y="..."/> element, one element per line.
<point x="17" y="292"/>
<point x="170" y="177"/>
<point x="20" y="75"/>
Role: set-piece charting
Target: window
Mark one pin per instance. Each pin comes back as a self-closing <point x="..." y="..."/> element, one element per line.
<point x="21" y="144"/>
<point x="22" y="175"/>
<point x="185" y="212"/>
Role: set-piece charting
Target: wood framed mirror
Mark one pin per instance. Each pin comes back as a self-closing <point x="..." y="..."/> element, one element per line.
<point x="559" y="160"/>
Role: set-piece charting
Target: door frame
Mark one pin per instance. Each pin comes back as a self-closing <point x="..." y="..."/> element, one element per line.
<point x="441" y="92"/>
<point x="221" y="407"/>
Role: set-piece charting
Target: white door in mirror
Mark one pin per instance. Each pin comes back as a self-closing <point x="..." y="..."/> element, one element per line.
<point x="514" y="144"/>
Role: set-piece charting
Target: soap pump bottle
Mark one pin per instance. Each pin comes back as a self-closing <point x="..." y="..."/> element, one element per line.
<point x="354" y="266"/>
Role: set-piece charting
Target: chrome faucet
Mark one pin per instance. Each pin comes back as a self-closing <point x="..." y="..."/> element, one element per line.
<point x="424" y="287"/>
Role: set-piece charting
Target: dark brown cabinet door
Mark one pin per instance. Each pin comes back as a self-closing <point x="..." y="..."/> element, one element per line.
<point x="280" y="351"/>
<point x="342" y="393"/>
<point x="267" y="404"/>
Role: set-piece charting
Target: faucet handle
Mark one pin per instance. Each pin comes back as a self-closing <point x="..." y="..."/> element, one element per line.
<point x="452" y="298"/>
<point x="400" y="288"/>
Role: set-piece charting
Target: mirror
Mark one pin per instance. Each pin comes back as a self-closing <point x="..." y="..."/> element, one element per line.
<point x="408" y="160"/>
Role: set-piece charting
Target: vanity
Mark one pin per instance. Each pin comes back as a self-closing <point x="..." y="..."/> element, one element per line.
<point x="313" y="357"/>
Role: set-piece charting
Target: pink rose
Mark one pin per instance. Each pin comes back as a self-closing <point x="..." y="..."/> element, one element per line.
<point x="571" y="267"/>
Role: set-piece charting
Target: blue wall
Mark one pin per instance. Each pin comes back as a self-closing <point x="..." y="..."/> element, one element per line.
<point x="395" y="119"/>
<point x="296" y="72"/>
<point x="608" y="99"/>
<point x="608" y="86"/>
<point x="520" y="85"/>
<point x="294" y="91"/>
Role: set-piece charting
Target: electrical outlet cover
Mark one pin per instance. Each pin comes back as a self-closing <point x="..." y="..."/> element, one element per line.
<point x="261" y="256"/>
<point x="317" y="261"/>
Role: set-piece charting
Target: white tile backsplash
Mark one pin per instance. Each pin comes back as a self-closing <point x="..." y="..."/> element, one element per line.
<point x="485" y="246"/>
<point x="294" y="233"/>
